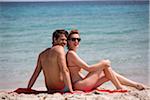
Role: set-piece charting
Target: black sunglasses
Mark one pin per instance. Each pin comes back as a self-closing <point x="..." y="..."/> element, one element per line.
<point x="74" y="39"/>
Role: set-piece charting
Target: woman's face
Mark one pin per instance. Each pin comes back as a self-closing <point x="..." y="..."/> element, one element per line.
<point x="74" y="40"/>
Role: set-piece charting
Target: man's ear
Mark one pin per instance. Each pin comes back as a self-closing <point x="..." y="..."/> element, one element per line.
<point x="54" y="40"/>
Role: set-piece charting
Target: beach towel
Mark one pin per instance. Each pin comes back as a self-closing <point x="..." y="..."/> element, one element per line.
<point x="28" y="91"/>
<point x="32" y="91"/>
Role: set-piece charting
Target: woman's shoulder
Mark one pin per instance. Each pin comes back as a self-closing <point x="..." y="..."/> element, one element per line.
<point x="71" y="52"/>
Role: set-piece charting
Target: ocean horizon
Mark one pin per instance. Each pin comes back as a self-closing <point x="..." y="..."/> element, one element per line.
<point x="118" y="31"/>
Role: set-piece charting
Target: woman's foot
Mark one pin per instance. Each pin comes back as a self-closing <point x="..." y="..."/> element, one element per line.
<point x="140" y="86"/>
<point x="121" y="88"/>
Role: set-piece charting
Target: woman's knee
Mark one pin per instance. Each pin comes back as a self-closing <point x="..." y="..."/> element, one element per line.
<point x="106" y="63"/>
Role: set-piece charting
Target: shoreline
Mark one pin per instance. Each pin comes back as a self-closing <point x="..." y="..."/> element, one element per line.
<point x="40" y="85"/>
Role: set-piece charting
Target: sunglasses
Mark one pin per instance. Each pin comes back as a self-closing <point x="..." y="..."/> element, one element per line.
<point x="74" y="39"/>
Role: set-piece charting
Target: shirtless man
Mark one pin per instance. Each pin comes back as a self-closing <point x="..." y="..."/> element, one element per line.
<point x="53" y="63"/>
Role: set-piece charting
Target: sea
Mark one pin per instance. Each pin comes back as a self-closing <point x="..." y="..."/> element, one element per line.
<point x="114" y="30"/>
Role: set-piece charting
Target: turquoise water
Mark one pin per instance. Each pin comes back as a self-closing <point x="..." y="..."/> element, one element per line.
<point x="114" y="31"/>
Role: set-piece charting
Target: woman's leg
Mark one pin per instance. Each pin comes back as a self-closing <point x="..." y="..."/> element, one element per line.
<point x="94" y="79"/>
<point x="89" y="82"/>
<point x="101" y="81"/>
<point x="121" y="79"/>
<point x="109" y="73"/>
<point x="128" y="82"/>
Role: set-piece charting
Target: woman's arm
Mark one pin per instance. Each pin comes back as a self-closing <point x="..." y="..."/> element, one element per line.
<point x="77" y="61"/>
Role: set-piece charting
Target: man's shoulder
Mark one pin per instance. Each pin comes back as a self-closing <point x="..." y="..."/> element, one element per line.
<point x="54" y="49"/>
<point x="45" y="51"/>
<point x="58" y="48"/>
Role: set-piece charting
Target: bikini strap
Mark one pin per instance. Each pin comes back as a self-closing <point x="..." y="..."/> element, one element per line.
<point x="66" y="58"/>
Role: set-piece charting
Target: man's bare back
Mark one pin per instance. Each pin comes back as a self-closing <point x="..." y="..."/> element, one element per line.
<point x="51" y="69"/>
<point x="53" y="63"/>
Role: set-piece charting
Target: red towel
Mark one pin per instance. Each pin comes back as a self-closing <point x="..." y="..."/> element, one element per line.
<point x="28" y="91"/>
<point x="112" y="91"/>
<point x="31" y="91"/>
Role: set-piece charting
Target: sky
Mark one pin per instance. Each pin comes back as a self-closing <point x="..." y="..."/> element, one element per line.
<point x="72" y="0"/>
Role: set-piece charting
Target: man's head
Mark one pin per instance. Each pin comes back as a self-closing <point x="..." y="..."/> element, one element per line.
<point x="60" y="37"/>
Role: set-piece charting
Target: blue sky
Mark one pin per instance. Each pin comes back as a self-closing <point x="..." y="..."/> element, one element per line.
<point x="72" y="0"/>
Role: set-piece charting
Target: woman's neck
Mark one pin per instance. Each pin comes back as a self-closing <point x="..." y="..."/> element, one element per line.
<point x="73" y="49"/>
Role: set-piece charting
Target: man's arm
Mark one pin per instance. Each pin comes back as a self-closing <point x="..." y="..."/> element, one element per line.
<point x="64" y="68"/>
<point x="35" y="74"/>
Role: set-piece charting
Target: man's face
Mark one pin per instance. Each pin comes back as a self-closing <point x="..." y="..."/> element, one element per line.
<point x="62" y="40"/>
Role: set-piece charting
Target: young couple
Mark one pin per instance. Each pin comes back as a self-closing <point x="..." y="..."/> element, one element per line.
<point x="62" y="71"/>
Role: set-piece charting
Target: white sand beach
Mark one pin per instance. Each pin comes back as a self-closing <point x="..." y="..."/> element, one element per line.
<point x="132" y="94"/>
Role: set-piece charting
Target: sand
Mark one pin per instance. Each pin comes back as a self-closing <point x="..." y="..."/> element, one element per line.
<point x="132" y="94"/>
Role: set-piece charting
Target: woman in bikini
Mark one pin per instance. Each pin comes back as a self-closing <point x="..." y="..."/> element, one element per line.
<point x="98" y="73"/>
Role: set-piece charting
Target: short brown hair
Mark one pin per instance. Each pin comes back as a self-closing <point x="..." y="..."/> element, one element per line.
<point x="56" y="34"/>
